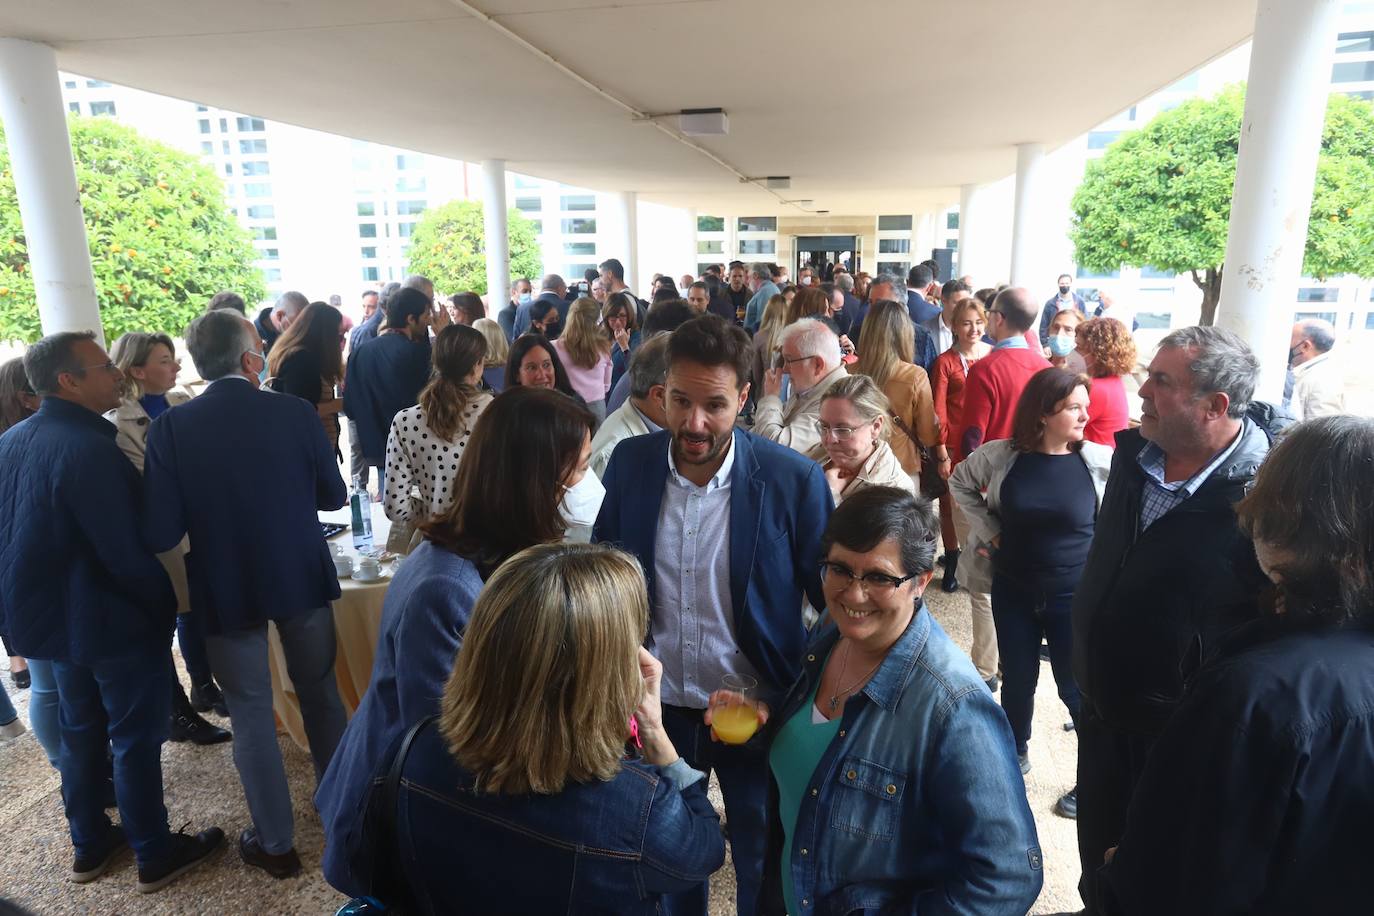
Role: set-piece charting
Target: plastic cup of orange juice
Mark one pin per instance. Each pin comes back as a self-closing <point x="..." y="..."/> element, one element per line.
<point x="734" y="714"/>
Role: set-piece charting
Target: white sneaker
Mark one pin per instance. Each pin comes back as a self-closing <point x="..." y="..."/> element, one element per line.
<point x="11" y="730"/>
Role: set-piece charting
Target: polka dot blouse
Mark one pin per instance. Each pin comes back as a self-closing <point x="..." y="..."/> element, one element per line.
<point x="420" y="466"/>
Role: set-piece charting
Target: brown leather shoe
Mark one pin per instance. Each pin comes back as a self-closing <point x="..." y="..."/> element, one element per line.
<point x="285" y="865"/>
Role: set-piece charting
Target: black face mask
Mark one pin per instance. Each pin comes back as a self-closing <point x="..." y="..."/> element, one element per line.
<point x="1293" y="353"/>
<point x="1063" y="290"/>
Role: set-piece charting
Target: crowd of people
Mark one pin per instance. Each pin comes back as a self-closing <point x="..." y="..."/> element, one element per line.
<point x="654" y="542"/>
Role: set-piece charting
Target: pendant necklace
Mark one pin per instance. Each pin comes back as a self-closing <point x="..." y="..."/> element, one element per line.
<point x="844" y="662"/>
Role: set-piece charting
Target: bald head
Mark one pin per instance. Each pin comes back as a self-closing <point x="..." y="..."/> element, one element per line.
<point x="1311" y="338"/>
<point x="1017" y="310"/>
<point x="553" y="283"/>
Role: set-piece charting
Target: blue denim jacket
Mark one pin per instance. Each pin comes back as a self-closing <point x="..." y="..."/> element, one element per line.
<point x="918" y="806"/>
<point x="598" y="847"/>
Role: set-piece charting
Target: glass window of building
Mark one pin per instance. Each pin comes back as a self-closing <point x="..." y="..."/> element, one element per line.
<point x="1101" y="139"/>
<point x="538" y="226"/>
<point x="406" y="161"/>
<point x="575" y="272"/>
<point x="368" y="251"/>
<point x="579" y="248"/>
<point x="367" y="209"/>
<point x="249" y="147"/>
<point x="1318" y="294"/>
<point x="273" y="274"/>
<point x="265" y="233"/>
<point x="74" y="107"/>
<point x="204" y="126"/>
<point x="71" y="84"/>
<point x="711" y="247"/>
<point x="225" y="146"/>
<point x="223" y="126"/>
<point x="758" y="246"/>
<point x="1153" y="273"/>
<point x="410" y="207"/>
<point x="1354" y="42"/>
<point x="262" y="211"/>
<point x="367" y="230"/>
<point x="1353" y="72"/>
<point x="579" y="227"/>
<point x="257" y="189"/>
<point x="405" y="230"/>
<point x="894" y="246"/>
<point x="269" y="254"/>
<point x="370" y="274"/>
<point x="96" y="84"/>
<point x="207" y="147"/>
<point x="410" y="184"/>
<point x="528" y="204"/>
<point x="578" y="202"/>
<point x="228" y="168"/>
<point x="103" y="108"/>
<point x="758" y="224"/>
<point x="894" y="267"/>
<point x="247" y="125"/>
<point x="952" y="220"/>
<point x="900" y="223"/>
<point x="256" y="168"/>
<point x="710" y="224"/>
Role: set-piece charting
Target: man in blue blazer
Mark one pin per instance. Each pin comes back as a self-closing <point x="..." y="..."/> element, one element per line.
<point x="918" y="281"/>
<point x="244" y="472"/>
<point x="727" y="526"/>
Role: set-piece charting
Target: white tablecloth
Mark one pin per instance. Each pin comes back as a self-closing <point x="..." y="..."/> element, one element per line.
<point x="357" y="622"/>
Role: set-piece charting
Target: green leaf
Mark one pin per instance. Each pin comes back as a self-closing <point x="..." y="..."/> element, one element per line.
<point x="449" y="247"/>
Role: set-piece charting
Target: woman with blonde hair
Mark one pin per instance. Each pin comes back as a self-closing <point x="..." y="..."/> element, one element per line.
<point x="527" y="765"/>
<point x="498" y="351"/>
<point x="427" y="441"/>
<point x="586" y="355"/>
<point x="768" y="340"/>
<point x="854" y="426"/>
<point x="889" y="342"/>
<point x="150" y="366"/>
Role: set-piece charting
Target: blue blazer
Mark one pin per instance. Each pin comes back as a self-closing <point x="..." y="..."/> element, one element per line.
<point x="779" y="507"/>
<point x="244" y="472"/>
<point x="918" y="308"/>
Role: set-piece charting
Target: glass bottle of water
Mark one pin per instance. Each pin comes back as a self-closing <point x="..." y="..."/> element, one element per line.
<point x="361" y="506"/>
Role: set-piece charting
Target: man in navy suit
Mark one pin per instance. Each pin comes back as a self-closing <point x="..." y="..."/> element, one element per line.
<point x="244" y="472"/>
<point x="554" y="293"/>
<point x="727" y="526"/>
<point x="918" y="281"/>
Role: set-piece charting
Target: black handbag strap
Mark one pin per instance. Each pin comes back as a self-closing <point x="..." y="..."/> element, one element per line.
<point x="389" y="833"/>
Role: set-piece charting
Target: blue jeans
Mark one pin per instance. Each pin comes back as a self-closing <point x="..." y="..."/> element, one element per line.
<point x="191" y="640"/>
<point x="1023" y="614"/>
<point x="239" y="660"/>
<point x="121" y="705"/>
<point x="743" y="776"/>
<point x="44" y="710"/>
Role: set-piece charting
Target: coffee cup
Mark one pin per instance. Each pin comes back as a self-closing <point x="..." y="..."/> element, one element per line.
<point x="367" y="569"/>
<point x="343" y="565"/>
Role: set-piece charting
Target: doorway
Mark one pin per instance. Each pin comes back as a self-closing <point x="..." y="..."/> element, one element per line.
<point x="823" y="252"/>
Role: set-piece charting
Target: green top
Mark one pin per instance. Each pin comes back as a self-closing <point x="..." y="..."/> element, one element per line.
<point x="795" y="753"/>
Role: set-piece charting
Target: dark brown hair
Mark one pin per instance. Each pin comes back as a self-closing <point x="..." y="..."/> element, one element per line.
<point x="808" y="303"/>
<point x="1040" y="399"/>
<point x="510" y="481"/>
<point x="14" y="384"/>
<point x="709" y="340"/>
<point x="469" y="304"/>
<point x="1310" y="500"/>
<point x="315" y="329"/>
<point x="521" y="348"/>
<point x="457" y="350"/>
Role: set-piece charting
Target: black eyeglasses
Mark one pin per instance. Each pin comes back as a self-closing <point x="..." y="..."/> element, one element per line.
<point x="873" y="583"/>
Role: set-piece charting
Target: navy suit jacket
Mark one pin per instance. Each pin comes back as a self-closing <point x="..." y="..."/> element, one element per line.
<point x="779" y="507"/>
<point x="244" y="472"/>
<point x="522" y="314"/>
<point x="918" y="308"/>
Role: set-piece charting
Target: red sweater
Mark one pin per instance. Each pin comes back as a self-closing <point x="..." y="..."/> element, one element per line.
<point x="994" y="384"/>
<point x="1107" y="411"/>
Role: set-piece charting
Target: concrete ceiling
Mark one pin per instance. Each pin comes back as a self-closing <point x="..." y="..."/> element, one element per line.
<point x="869" y="105"/>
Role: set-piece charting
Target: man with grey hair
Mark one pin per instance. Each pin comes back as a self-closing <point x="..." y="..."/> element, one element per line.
<point x="761" y="282"/>
<point x="276" y="318"/>
<point x="811" y="356"/>
<point x="216" y="467"/>
<point x="1318" y="388"/>
<point x="422" y="283"/>
<point x="553" y="293"/>
<point x="1169" y="570"/>
<point x="643" y="412"/>
<point x="892" y="288"/>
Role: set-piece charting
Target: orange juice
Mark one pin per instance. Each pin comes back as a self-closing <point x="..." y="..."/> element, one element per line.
<point x="735" y="724"/>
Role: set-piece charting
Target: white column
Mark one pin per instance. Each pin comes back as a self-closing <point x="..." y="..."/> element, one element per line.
<point x="923" y="238"/>
<point x="35" y="122"/>
<point x="1028" y="215"/>
<point x="626" y="205"/>
<point x="1285" y="105"/>
<point x="496" y="232"/>
<point x="969" y="215"/>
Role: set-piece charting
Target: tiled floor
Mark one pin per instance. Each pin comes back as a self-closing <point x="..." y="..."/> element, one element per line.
<point x="202" y="789"/>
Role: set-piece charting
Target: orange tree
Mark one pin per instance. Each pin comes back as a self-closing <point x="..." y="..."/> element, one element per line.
<point x="162" y="239"/>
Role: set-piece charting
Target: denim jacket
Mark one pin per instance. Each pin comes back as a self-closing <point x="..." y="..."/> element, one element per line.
<point x="593" y="848"/>
<point x="918" y="805"/>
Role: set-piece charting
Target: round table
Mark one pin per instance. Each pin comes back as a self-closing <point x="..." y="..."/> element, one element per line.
<point x="357" y="623"/>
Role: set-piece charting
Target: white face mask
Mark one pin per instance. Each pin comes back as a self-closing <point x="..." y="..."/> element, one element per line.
<point x="805" y="281"/>
<point x="582" y="501"/>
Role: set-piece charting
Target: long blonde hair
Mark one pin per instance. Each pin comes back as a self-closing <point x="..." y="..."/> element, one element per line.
<point x="548" y="676"/>
<point x="498" y="348"/>
<point x="886" y="339"/>
<point x="582" y="338"/>
<point x="773" y="320"/>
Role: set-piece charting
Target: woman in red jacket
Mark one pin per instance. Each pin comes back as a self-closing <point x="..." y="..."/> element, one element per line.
<point x="1109" y="353"/>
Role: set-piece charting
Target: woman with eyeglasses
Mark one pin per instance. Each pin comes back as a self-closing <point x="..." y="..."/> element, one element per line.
<point x="853" y="451"/>
<point x="893" y="779"/>
<point x="1032" y="503"/>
